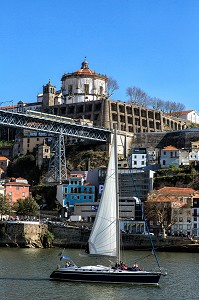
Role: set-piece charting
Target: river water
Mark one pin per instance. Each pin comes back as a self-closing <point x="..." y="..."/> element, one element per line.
<point x="24" y="274"/>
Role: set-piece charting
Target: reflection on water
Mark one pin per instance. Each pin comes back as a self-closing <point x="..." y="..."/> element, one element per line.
<point x="25" y="275"/>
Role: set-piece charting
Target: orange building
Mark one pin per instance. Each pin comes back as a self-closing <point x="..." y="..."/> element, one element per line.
<point x="4" y="162"/>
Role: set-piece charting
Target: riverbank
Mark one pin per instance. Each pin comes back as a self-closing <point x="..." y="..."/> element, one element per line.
<point x="76" y="235"/>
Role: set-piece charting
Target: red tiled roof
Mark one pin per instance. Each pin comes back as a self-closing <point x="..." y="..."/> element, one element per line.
<point x="185" y="112"/>
<point x="176" y="191"/>
<point x="16" y="183"/>
<point x="84" y="71"/>
<point x="20" y="178"/>
<point x="3" y="158"/>
<point x="168" y="199"/>
<point x="77" y="175"/>
<point x="9" y="107"/>
<point x="180" y="113"/>
<point x="169" y="148"/>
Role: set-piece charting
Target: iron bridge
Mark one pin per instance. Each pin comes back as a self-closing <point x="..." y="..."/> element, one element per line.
<point x="53" y="124"/>
<point x="59" y="127"/>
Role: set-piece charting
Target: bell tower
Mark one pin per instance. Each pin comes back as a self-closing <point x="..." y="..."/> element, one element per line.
<point x="49" y="91"/>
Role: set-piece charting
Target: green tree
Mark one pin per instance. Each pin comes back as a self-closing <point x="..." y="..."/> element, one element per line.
<point x="24" y="166"/>
<point x="5" y="207"/>
<point x="26" y="207"/>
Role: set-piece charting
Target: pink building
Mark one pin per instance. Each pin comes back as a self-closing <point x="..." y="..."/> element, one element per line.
<point x="18" y="189"/>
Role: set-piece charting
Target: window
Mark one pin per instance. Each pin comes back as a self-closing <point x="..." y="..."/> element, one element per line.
<point x="70" y="89"/>
<point x="164" y="153"/>
<point x="86" y="89"/>
<point x="101" y="90"/>
<point x="142" y="162"/>
<point x="180" y="219"/>
<point x="135" y="162"/>
<point x="23" y="194"/>
<point x="171" y="154"/>
<point x="164" y="162"/>
<point x="17" y="188"/>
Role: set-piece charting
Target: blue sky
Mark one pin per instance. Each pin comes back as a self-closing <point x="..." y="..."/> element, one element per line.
<point x="151" y="44"/>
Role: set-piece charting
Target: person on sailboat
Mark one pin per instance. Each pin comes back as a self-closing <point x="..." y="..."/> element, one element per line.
<point x="135" y="267"/>
<point x="123" y="266"/>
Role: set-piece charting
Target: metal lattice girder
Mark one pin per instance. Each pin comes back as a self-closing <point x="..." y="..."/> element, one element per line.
<point x="57" y="171"/>
<point x="24" y="121"/>
<point x="59" y="127"/>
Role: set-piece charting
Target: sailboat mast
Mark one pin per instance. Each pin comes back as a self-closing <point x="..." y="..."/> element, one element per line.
<point x="117" y="196"/>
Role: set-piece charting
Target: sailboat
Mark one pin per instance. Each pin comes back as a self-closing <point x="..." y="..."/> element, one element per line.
<point x="105" y="241"/>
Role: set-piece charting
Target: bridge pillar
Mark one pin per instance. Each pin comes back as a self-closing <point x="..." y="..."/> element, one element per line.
<point x="57" y="171"/>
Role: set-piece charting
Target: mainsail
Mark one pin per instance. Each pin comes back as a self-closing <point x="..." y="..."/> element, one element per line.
<point x="103" y="239"/>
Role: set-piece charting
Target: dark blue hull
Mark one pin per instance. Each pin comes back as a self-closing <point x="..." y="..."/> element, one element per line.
<point x="106" y="277"/>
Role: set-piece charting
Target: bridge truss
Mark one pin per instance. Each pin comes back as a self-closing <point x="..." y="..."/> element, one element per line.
<point x="59" y="127"/>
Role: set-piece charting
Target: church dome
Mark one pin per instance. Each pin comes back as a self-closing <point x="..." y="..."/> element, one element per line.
<point x="84" y="69"/>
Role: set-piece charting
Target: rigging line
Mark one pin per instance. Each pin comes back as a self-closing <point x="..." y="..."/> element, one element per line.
<point x="143" y="214"/>
<point x="144" y="257"/>
<point x="109" y="225"/>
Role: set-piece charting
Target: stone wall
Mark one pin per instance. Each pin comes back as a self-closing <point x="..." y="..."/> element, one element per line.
<point x="22" y="234"/>
<point x="180" y="139"/>
<point x="30" y="235"/>
<point x="71" y="237"/>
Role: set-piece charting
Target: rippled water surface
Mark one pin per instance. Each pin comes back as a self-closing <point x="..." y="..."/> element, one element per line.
<point x="24" y="274"/>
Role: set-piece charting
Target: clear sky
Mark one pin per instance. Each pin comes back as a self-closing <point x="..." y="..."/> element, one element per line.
<point x="151" y="44"/>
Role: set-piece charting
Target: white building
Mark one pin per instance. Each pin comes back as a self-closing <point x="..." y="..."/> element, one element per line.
<point x="83" y="85"/>
<point x="169" y="156"/>
<point x="182" y="214"/>
<point x="138" y="158"/>
<point x="195" y="216"/>
<point x="194" y="157"/>
<point x="188" y="115"/>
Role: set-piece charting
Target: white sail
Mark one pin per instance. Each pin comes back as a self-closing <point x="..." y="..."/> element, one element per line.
<point x="102" y="240"/>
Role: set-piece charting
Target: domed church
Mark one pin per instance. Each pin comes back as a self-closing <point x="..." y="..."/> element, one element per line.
<point x="83" y="85"/>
